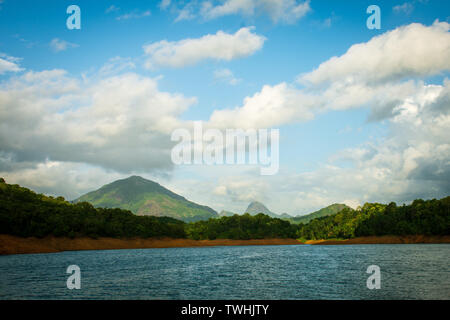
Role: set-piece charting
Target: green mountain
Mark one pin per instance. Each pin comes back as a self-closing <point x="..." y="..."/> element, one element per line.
<point x="327" y="211"/>
<point x="147" y="198"/>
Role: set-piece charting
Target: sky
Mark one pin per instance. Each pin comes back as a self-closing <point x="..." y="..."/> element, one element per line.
<point x="363" y="114"/>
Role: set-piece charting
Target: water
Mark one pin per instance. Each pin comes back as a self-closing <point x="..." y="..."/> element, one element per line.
<point x="245" y="272"/>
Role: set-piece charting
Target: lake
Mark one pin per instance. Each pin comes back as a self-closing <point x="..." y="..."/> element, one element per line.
<point x="412" y="271"/>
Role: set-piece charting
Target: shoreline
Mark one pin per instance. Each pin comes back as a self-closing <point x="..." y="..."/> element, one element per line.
<point x="413" y="239"/>
<point x="16" y="245"/>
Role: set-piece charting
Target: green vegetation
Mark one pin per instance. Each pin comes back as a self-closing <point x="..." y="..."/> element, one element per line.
<point x="25" y="213"/>
<point x="327" y="211"/>
<point x="145" y="197"/>
<point x="241" y="227"/>
<point x="431" y="217"/>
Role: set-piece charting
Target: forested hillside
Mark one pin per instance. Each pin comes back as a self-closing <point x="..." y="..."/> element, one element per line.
<point x="25" y="213"/>
<point x="241" y="227"/>
<point x="431" y="217"/>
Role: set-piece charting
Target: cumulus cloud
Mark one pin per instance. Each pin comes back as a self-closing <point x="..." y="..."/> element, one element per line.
<point x="272" y="106"/>
<point x="68" y="179"/>
<point x="120" y="122"/>
<point x="113" y="124"/>
<point x="380" y="73"/>
<point x="61" y="45"/>
<point x="219" y="46"/>
<point x="9" y="64"/>
<point x="411" y="161"/>
<point x="410" y="51"/>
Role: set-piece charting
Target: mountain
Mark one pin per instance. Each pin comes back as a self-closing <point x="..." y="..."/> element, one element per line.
<point x="285" y="216"/>
<point x="327" y="211"/>
<point x="256" y="207"/>
<point x="146" y="197"/>
<point x="225" y="213"/>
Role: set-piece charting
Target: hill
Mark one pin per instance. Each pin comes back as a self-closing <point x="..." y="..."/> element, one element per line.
<point x="327" y="211"/>
<point x="256" y="207"/>
<point x="25" y="213"/>
<point x="421" y="217"/>
<point x="225" y="213"/>
<point x="146" y="198"/>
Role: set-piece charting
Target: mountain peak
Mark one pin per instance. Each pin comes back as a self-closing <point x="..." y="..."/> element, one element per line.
<point x="135" y="179"/>
<point x="256" y="207"/>
<point x="146" y="197"/>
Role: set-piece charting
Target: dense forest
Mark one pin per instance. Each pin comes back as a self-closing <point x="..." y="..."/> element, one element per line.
<point x="25" y="213"/>
<point x="241" y="227"/>
<point x="431" y="217"/>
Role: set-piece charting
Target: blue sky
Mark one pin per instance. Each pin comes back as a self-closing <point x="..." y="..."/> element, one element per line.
<point x="34" y="37"/>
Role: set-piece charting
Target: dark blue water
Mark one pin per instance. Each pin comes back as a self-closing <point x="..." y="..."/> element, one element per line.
<point x="246" y="272"/>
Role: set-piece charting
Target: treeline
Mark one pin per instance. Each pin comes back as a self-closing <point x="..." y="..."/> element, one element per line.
<point x="431" y="217"/>
<point x="25" y="213"/>
<point x="242" y="227"/>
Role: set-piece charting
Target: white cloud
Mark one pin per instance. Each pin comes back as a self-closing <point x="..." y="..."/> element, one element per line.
<point x="219" y="46"/>
<point x="117" y="65"/>
<point x="287" y="11"/>
<point x="384" y="76"/>
<point x="405" y="8"/>
<point x="134" y="15"/>
<point x="369" y="73"/>
<point x="164" y="4"/>
<point x="68" y="179"/>
<point x="61" y="45"/>
<point x="272" y="106"/>
<point x="63" y="128"/>
<point x="9" y="64"/>
<point x="408" y="51"/>
<point x="410" y="162"/>
<point x="120" y="122"/>
<point x="112" y="8"/>
<point x="227" y="76"/>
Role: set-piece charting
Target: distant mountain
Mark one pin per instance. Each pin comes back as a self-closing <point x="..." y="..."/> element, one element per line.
<point x="327" y="211"/>
<point x="146" y="197"/>
<point x="285" y="216"/>
<point x="256" y="207"/>
<point x="225" y="213"/>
